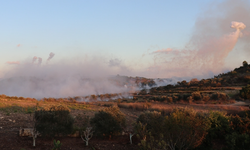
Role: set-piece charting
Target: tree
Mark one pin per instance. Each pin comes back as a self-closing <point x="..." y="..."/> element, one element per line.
<point x="244" y="63"/>
<point x="153" y="121"/>
<point x="245" y="92"/>
<point x="87" y="132"/>
<point x="54" y="121"/>
<point x="109" y="121"/>
<point x="185" y="129"/>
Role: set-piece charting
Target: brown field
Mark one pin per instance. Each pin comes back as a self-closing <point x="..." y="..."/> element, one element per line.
<point x="15" y="113"/>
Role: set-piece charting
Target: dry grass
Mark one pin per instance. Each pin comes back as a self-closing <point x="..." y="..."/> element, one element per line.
<point x="167" y="108"/>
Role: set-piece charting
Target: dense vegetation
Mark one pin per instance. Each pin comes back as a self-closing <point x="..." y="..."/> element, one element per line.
<point x="188" y="129"/>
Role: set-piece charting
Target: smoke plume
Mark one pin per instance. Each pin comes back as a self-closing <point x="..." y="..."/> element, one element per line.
<point x="210" y="44"/>
<point x="51" y="55"/>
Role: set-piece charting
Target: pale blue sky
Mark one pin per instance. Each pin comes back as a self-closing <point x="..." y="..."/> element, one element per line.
<point x="123" y="29"/>
<point x="118" y="27"/>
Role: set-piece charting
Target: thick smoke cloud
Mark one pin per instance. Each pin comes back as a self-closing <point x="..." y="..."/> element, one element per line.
<point x="211" y="42"/>
<point x="62" y="79"/>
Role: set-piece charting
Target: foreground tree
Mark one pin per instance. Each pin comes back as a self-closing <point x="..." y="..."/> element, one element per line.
<point x="109" y="121"/>
<point x="86" y="132"/>
<point x="183" y="129"/>
<point x="54" y="121"/>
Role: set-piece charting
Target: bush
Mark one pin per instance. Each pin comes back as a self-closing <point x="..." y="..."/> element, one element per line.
<point x="220" y="126"/>
<point x="240" y="124"/>
<point x="182" y="129"/>
<point x="185" y="129"/>
<point x="196" y="96"/>
<point x="109" y="121"/>
<point x="218" y="96"/>
<point x="237" y="141"/>
<point x="153" y="121"/>
<point x="245" y="92"/>
<point x="54" y="121"/>
<point x="169" y="99"/>
<point x="205" y="98"/>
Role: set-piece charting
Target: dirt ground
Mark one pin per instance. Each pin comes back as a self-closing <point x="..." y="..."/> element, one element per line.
<point x="10" y="124"/>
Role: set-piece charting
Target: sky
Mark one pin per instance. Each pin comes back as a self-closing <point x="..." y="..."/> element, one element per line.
<point x="156" y="39"/>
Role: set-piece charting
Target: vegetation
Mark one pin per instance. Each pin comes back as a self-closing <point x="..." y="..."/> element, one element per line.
<point x="245" y="92"/>
<point x="54" y="121"/>
<point x="108" y="122"/>
<point x="57" y="145"/>
<point x="182" y="129"/>
<point x="161" y="118"/>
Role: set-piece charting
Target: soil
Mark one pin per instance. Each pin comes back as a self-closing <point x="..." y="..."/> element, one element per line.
<point x="10" y="123"/>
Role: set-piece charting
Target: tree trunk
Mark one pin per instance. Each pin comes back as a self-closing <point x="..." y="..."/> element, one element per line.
<point x="87" y="143"/>
<point x="34" y="141"/>
<point x="130" y="137"/>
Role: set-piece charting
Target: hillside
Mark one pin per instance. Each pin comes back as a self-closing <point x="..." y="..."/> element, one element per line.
<point x="225" y="87"/>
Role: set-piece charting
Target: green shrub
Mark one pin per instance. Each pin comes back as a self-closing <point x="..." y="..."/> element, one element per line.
<point x="153" y="121"/>
<point x="185" y="129"/>
<point x="182" y="129"/>
<point x="109" y="121"/>
<point x="54" y="121"/>
<point x="220" y="127"/>
<point x="245" y="92"/>
<point x="237" y="141"/>
<point x="57" y="145"/>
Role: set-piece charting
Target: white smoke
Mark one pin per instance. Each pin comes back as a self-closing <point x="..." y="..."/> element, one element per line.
<point x="63" y="79"/>
<point x="238" y="25"/>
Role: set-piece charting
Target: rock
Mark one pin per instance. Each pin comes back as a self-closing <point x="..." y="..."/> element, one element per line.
<point x="25" y="132"/>
<point x="14" y="121"/>
<point x="10" y="120"/>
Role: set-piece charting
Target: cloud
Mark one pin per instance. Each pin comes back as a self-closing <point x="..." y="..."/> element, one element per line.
<point x="163" y="51"/>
